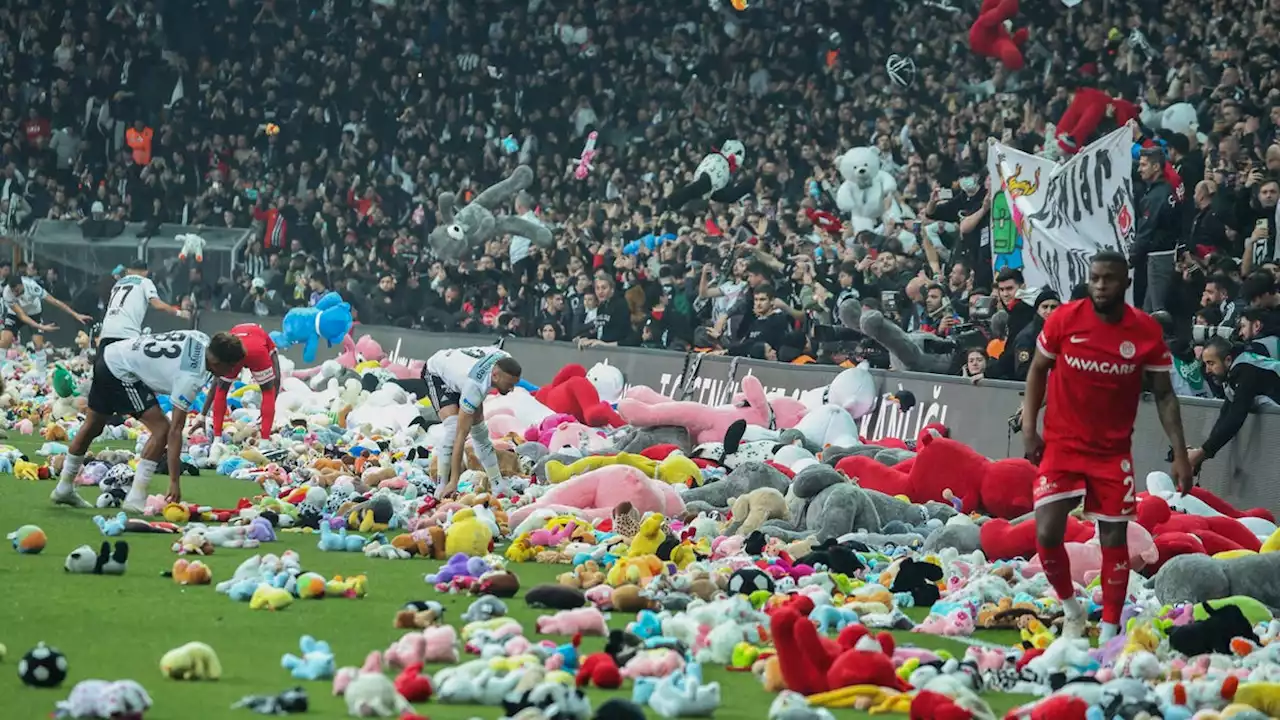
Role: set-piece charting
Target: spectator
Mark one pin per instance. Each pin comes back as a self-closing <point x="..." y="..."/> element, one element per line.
<point x="1024" y="345"/>
<point x="1247" y="380"/>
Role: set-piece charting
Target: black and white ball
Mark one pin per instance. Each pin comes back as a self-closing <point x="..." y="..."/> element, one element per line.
<point x="749" y="580"/>
<point x="43" y="667"/>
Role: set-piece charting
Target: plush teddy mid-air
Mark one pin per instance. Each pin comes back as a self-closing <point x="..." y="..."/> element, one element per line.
<point x="470" y="226"/>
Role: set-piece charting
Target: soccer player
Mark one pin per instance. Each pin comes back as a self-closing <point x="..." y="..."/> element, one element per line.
<point x="24" y="305"/>
<point x="127" y="307"/>
<point x="127" y="376"/>
<point x="457" y="382"/>
<point x="263" y="363"/>
<point x="1098" y="349"/>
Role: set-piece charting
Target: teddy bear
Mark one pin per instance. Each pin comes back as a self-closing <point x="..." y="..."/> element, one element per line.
<point x="462" y="230"/>
<point x="751" y="510"/>
<point x="713" y="178"/>
<point x="571" y="392"/>
<point x="990" y="35"/>
<point x="193" y="661"/>
<point x="330" y="318"/>
<point x="824" y="505"/>
<point x="192" y="246"/>
<point x="867" y="191"/>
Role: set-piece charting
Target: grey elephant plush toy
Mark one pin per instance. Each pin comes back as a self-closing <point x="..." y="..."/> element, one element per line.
<point x="825" y="505"/>
<point x="1200" y="578"/>
<point x="462" y="230"/>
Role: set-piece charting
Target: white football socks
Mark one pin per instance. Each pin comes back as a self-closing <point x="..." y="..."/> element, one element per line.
<point x="71" y="465"/>
<point x="141" y="479"/>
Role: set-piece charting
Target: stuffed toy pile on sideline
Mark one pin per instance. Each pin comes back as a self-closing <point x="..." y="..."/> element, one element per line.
<point x="763" y="535"/>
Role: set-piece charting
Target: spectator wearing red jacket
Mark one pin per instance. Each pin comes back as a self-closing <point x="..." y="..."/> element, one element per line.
<point x="275" y="236"/>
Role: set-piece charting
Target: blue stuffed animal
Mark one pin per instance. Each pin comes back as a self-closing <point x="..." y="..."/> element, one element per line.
<point x="340" y="541"/>
<point x="329" y="318"/>
<point x="830" y="618"/>
<point x="114" y="526"/>
<point x="316" y="662"/>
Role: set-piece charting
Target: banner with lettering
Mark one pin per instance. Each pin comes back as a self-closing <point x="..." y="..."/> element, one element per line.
<point x="1049" y="219"/>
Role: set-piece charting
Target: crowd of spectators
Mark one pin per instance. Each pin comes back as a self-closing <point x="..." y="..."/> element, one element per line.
<point x="334" y="124"/>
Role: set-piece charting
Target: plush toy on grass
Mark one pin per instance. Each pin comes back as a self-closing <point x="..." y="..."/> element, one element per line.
<point x="119" y="700"/>
<point x="193" y="661"/>
<point x="43" y="667"/>
<point x="107" y="561"/>
<point x="111" y="527"/>
<point x="374" y="695"/>
<point x="293" y="700"/>
<point x="316" y="662"/>
<point x="28" y="540"/>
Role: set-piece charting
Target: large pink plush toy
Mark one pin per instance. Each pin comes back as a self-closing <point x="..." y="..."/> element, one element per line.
<point x="598" y="492"/>
<point x="1086" y="557"/>
<point x="585" y="621"/>
<point x="705" y="424"/>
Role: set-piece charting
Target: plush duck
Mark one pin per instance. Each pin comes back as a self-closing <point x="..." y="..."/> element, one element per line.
<point x="467" y="535"/>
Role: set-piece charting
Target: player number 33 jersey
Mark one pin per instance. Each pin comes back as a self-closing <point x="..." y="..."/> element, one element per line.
<point x="170" y="364"/>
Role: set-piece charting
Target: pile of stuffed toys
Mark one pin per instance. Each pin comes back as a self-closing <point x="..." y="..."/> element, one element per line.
<point x="763" y="535"/>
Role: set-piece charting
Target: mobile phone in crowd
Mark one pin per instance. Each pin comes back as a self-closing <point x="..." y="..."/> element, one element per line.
<point x="945" y="194"/>
<point x="1259" y="223"/>
<point x="889" y="301"/>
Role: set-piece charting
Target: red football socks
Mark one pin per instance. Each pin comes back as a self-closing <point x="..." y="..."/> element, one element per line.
<point x="1057" y="568"/>
<point x="1115" y="582"/>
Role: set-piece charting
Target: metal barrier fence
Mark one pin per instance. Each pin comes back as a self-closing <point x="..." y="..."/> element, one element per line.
<point x="63" y="242"/>
<point x="977" y="414"/>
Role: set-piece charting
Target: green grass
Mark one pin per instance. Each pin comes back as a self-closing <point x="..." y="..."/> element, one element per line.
<point x="118" y="627"/>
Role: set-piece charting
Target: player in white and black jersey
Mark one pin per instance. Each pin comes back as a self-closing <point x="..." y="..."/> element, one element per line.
<point x="127" y="307"/>
<point x="127" y="376"/>
<point x="24" y="300"/>
<point x="458" y="380"/>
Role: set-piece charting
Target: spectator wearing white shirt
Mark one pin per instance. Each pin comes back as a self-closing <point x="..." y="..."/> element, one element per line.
<point x="522" y="264"/>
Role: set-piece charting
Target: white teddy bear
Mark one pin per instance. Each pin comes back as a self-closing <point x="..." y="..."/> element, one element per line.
<point x="867" y="191"/>
<point x="192" y="245"/>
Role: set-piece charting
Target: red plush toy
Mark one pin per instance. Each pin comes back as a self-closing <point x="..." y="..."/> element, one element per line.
<point x="1085" y="113"/>
<point x="573" y="394"/>
<point x="413" y="685"/>
<point x="1226" y="508"/>
<point x="928" y="705"/>
<point x="1002" y="540"/>
<point x="989" y="37"/>
<point x="601" y="670"/>
<point x="811" y="663"/>
<point x="1054" y="707"/>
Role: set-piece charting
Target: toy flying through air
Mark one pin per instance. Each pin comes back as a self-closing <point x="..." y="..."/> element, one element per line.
<point x="584" y="160"/>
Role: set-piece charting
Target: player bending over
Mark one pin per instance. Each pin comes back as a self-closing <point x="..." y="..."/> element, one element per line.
<point x="1098" y="349"/>
<point x="24" y="305"/>
<point x="127" y="376"/>
<point x="457" y="382"/>
<point x="263" y="363"/>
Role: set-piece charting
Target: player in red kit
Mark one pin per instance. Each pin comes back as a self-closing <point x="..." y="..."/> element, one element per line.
<point x="264" y="365"/>
<point x="1098" y="348"/>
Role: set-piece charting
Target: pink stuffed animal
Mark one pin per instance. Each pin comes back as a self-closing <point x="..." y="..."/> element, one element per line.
<point x="441" y="644"/>
<point x="406" y="651"/>
<point x="600" y="596"/>
<point x="597" y="492"/>
<point x="548" y="538"/>
<point x="705" y="424"/>
<point x="344" y="676"/>
<point x="653" y="663"/>
<point x="545" y="430"/>
<point x="958" y="623"/>
<point x="1086" y="557"/>
<point x="576" y="436"/>
<point x="587" y="621"/>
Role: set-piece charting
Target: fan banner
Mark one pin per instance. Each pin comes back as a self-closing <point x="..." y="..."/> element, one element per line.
<point x="1048" y="219"/>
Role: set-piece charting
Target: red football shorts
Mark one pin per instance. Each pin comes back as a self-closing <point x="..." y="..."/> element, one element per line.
<point x="1106" y="484"/>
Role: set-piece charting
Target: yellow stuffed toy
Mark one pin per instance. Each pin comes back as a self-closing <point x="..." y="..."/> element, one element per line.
<point x="267" y="597"/>
<point x="24" y="470"/>
<point x="635" y="570"/>
<point x="1261" y="696"/>
<point x="193" y="661"/>
<point x="649" y="538"/>
<point x="676" y="469"/>
<point x="467" y="535"/>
